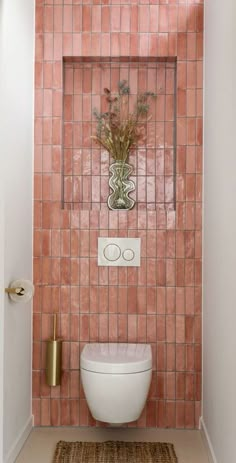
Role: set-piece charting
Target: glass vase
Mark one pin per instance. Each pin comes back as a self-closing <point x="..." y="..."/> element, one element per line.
<point x="121" y="186"/>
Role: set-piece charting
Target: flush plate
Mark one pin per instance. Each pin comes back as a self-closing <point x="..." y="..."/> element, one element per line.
<point x="119" y="252"/>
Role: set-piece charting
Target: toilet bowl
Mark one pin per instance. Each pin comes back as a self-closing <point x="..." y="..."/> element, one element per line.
<point x="116" y="380"/>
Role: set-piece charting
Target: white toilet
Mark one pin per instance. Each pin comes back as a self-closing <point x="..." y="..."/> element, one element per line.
<point x="116" y="380"/>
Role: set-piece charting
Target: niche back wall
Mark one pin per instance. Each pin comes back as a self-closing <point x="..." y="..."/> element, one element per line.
<point x="160" y="302"/>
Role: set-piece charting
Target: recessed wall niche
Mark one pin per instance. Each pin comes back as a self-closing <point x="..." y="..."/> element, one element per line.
<point x="85" y="164"/>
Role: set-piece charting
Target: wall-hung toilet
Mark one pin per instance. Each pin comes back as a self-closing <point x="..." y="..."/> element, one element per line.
<point x="116" y="380"/>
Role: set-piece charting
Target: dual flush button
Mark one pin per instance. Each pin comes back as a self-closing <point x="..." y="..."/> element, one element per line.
<point x="119" y="252"/>
<point x="112" y="252"/>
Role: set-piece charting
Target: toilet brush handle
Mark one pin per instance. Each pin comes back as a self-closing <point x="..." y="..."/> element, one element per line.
<point x="54" y="326"/>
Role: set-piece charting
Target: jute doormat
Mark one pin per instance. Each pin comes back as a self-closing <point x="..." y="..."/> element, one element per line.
<point x="114" y="452"/>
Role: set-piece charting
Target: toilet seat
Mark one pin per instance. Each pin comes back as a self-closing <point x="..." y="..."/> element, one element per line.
<point x="116" y="358"/>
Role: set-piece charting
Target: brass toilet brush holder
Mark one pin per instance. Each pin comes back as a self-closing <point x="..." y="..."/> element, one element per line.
<point x="54" y="357"/>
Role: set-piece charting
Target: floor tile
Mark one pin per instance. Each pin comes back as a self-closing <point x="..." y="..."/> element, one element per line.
<point x="40" y="445"/>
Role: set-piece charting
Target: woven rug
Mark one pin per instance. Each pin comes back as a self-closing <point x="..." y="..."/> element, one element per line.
<point x="114" y="452"/>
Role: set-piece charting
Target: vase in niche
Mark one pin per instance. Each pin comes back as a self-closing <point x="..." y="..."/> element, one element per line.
<point x="121" y="185"/>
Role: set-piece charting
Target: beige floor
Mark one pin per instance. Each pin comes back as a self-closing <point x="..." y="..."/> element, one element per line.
<point x="40" y="445"/>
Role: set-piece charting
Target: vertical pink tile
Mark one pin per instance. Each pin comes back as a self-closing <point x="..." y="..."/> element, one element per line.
<point x="180" y="357"/>
<point x="132" y="299"/>
<point x="122" y="299"/>
<point x="113" y="328"/>
<point x="115" y="18"/>
<point x="198" y="414"/>
<point x="189" y="415"/>
<point x="170" y="328"/>
<point x="141" y="299"/>
<point x="133" y="44"/>
<point x="151" y="414"/>
<point x="151" y="300"/>
<point x="170" y="386"/>
<point x="93" y="328"/>
<point x="36" y="355"/>
<point x="86" y="18"/>
<point x="115" y="44"/>
<point x="198" y="357"/>
<point x="105" y="44"/>
<point x="57" y="46"/>
<point x="72" y="355"/>
<point x="142" y="328"/>
<point x="180" y="414"/>
<point x="161" y="356"/>
<point x="189" y="272"/>
<point x="45" y="412"/>
<point x="163" y="18"/>
<point x="38" y="75"/>
<point x="103" y="299"/>
<point x="105" y="18"/>
<point x="190" y="357"/>
<point x="143" y="18"/>
<point x="86" y="44"/>
<point x="189" y="386"/>
<point x="38" y="46"/>
<point x="180" y="385"/>
<point x="161" y="414"/>
<point x="103" y="328"/>
<point x="125" y="18"/>
<point x="48" y="18"/>
<point x="48" y="46"/>
<point x="39" y="19"/>
<point x="36" y="384"/>
<point x="170" y="414"/>
<point x="74" y="412"/>
<point x="170" y="300"/>
<point x="154" y="18"/>
<point x="153" y="44"/>
<point x="151" y="329"/>
<point x="132" y="328"/>
<point x="57" y="18"/>
<point x="161" y="300"/>
<point x="161" y="385"/>
<point x="84" y="299"/>
<point x="180" y="328"/>
<point x="83" y="413"/>
<point x="122" y="328"/>
<point x="65" y="412"/>
<point x="64" y="390"/>
<point x="36" y="411"/>
<point x="74" y="331"/>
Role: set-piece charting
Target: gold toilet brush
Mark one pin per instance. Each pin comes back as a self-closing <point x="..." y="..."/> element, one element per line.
<point x="53" y="357"/>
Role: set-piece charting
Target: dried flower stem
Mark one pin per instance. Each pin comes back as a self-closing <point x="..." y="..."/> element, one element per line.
<point x="118" y="131"/>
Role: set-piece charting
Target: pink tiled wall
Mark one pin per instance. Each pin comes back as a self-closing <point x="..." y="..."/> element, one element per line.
<point x="160" y="302"/>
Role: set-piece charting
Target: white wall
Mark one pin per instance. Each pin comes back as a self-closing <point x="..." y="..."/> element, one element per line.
<point x="219" y="281"/>
<point x="16" y="135"/>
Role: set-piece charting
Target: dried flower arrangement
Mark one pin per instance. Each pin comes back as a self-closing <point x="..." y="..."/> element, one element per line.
<point x="118" y="130"/>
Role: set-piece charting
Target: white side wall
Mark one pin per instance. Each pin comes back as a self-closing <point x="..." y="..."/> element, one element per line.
<point x="16" y="135"/>
<point x="219" y="283"/>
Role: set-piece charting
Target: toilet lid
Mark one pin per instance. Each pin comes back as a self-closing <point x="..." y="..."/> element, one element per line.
<point x="116" y="358"/>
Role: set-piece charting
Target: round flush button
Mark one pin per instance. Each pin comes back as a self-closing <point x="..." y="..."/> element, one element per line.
<point x="112" y="252"/>
<point x="128" y="254"/>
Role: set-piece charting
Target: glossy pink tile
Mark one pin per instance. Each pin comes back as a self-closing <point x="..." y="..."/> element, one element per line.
<point x="160" y="302"/>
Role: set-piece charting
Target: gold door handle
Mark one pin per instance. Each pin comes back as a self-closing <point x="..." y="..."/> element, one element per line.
<point x="18" y="291"/>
